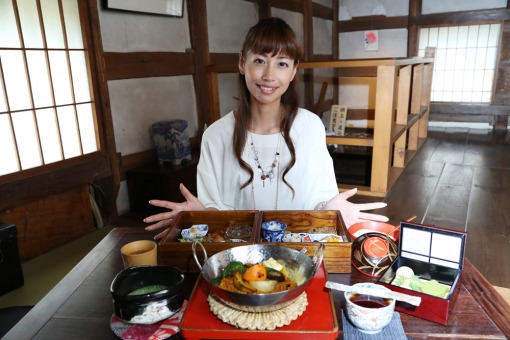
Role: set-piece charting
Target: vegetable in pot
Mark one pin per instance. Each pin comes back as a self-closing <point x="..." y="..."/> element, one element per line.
<point x="243" y="286"/>
<point x="233" y="267"/>
<point x="257" y="272"/>
<point x="275" y="275"/>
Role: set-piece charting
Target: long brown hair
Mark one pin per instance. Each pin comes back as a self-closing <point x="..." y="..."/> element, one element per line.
<point x="269" y="36"/>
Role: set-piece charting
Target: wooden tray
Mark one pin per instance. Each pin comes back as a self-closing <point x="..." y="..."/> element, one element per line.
<point x="172" y="252"/>
<point x="337" y="255"/>
<point x="317" y="322"/>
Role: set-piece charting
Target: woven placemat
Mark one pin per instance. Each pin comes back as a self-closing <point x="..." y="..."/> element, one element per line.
<point x="393" y="331"/>
<point x="257" y="320"/>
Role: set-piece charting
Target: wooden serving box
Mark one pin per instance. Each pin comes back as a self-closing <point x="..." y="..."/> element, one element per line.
<point x="178" y="254"/>
<point x="337" y="255"/>
<point x="433" y="253"/>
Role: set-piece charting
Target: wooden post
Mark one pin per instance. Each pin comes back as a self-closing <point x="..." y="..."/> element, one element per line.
<point x="415" y="105"/>
<point x="428" y="69"/>
<point x="404" y="93"/>
<point x="214" y="97"/>
<point x="318" y="109"/>
<point x="383" y="127"/>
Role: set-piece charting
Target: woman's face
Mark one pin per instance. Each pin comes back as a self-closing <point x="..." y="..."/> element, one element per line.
<point x="267" y="77"/>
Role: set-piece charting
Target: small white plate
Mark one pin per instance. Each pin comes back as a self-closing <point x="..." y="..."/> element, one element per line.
<point x="301" y="237"/>
<point x="196" y="231"/>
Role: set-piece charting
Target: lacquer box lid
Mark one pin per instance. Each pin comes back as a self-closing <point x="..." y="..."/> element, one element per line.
<point x="432" y="244"/>
<point x="432" y="253"/>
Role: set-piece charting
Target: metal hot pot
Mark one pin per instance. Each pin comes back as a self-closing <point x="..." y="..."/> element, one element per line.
<point x="300" y="267"/>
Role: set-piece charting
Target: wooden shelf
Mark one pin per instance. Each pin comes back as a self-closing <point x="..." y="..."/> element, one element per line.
<point x="354" y="141"/>
<point x="402" y="101"/>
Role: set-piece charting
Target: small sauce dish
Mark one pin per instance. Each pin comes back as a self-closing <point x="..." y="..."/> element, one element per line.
<point x="196" y="231"/>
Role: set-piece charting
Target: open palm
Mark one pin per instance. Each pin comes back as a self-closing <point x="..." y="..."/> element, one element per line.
<point x="352" y="212"/>
<point x="165" y="220"/>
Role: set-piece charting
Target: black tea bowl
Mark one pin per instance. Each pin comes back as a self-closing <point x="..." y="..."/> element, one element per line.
<point x="147" y="294"/>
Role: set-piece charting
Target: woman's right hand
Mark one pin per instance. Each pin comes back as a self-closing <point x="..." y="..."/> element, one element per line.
<point x="164" y="220"/>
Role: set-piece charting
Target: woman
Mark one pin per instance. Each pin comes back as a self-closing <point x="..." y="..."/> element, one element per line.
<point x="268" y="153"/>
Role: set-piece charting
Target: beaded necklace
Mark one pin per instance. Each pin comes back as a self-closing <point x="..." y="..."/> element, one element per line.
<point x="268" y="172"/>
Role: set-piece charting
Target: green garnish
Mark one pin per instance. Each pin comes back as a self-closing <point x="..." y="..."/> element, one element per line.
<point x="147" y="290"/>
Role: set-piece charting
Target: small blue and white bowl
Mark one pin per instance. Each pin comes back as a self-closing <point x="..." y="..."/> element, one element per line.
<point x="273" y="231"/>
<point x="196" y="231"/>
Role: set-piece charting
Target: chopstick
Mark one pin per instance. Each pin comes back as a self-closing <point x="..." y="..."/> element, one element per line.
<point x="385" y="294"/>
<point x="408" y="220"/>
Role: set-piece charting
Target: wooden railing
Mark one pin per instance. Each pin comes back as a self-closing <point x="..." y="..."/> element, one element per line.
<point x="402" y="105"/>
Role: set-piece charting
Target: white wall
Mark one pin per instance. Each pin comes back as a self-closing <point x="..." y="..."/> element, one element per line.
<point x="138" y="103"/>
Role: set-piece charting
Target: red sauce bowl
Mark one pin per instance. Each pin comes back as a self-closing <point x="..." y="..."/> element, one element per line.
<point x="361" y="228"/>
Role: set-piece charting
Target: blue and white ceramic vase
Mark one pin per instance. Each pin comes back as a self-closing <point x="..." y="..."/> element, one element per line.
<point x="172" y="141"/>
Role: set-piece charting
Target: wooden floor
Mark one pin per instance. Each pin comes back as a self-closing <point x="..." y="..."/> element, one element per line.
<point x="460" y="179"/>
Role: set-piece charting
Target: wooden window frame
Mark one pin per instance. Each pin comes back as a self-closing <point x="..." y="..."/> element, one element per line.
<point x="32" y="184"/>
<point x="494" y="81"/>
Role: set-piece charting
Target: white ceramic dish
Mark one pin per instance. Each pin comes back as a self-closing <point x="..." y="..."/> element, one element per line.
<point x="196" y="231"/>
<point x="302" y="237"/>
<point x="369" y="320"/>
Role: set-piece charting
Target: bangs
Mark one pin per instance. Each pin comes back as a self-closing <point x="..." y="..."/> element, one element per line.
<point x="274" y="40"/>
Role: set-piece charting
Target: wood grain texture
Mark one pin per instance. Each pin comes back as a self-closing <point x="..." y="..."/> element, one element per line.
<point x="453" y="190"/>
<point x="376" y="22"/>
<point x="103" y="96"/>
<point x="418" y="181"/>
<point x="49" y="223"/>
<point x="469" y="109"/>
<point x="147" y="64"/>
<point x="451" y="147"/>
<point x="53" y="182"/>
<point x="488" y="217"/>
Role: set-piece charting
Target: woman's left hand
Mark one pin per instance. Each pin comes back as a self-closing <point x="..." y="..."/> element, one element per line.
<point x="352" y="212"/>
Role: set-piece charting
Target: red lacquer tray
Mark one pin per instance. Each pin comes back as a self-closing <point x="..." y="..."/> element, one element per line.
<point x="317" y="322"/>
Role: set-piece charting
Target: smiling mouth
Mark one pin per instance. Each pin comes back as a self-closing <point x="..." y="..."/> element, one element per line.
<point x="267" y="89"/>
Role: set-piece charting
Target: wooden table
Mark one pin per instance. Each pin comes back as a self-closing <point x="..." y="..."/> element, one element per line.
<point x="80" y="306"/>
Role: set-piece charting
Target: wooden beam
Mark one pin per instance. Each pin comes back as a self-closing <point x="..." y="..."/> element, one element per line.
<point x="412" y="30"/>
<point x="335" y="48"/>
<point x="321" y="11"/>
<point x="264" y="9"/>
<point x="502" y="85"/>
<point x="470" y="109"/>
<point x="103" y="97"/>
<point x="377" y="22"/>
<point x="147" y="64"/>
<point x="224" y="58"/>
<point x="289" y="5"/>
<point x="464" y="17"/>
<point x="53" y="182"/>
<point x="197" y="20"/>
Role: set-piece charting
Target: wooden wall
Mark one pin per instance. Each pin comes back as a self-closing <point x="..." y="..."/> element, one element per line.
<point x="51" y="222"/>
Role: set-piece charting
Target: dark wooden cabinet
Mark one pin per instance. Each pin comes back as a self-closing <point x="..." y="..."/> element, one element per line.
<point x="160" y="181"/>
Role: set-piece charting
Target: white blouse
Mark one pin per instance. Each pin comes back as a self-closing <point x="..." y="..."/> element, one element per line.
<point x="219" y="176"/>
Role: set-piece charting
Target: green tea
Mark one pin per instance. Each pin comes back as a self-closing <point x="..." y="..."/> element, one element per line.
<point x="148" y="290"/>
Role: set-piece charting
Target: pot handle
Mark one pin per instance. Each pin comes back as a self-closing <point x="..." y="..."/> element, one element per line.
<point x="318" y="256"/>
<point x="193" y="248"/>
